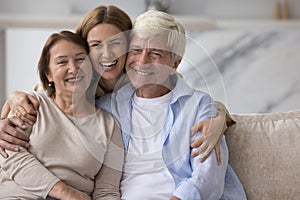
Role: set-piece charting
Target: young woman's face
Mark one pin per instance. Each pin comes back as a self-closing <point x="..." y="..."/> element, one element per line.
<point x="69" y="68"/>
<point x="108" y="48"/>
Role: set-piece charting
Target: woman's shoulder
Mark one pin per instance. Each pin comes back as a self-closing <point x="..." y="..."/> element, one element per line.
<point x="40" y="95"/>
<point x="106" y="119"/>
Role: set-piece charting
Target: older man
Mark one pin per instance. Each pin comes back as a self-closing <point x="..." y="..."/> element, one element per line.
<point x="156" y="111"/>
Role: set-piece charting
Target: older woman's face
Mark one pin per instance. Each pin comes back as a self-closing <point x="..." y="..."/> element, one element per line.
<point x="108" y="48"/>
<point x="69" y="68"/>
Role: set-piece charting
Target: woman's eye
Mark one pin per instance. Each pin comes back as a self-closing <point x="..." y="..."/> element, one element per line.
<point x="96" y="45"/>
<point x="62" y="62"/>
<point x="114" y="44"/>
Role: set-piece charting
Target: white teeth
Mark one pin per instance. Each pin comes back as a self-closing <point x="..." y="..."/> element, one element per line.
<point x="78" y="78"/>
<point x="143" y="73"/>
<point x="110" y="64"/>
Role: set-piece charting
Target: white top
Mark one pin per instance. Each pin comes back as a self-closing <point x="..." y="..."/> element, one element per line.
<point x="145" y="170"/>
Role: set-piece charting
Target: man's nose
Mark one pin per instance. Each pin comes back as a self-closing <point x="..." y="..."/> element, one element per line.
<point x="143" y="58"/>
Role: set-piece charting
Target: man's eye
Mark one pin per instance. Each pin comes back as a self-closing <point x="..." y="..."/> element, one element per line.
<point x="135" y="51"/>
<point x="156" y="55"/>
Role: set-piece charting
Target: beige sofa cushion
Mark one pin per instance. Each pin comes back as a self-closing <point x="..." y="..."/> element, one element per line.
<point x="264" y="151"/>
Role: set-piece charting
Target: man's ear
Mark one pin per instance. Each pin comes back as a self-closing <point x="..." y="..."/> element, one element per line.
<point x="176" y="64"/>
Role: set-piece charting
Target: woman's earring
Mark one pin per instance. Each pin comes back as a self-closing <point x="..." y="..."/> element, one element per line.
<point x="50" y="84"/>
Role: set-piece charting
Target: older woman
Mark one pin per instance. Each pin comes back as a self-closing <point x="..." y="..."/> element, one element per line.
<point x="76" y="150"/>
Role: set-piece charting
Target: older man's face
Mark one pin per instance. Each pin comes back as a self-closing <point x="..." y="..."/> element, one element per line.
<point x="149" y="61"/>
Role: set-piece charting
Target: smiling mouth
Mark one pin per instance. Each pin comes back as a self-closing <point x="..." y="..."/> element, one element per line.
<point x="74" y="79"/>
<point x="108" y="64"/>
<point x="143" y="73"/>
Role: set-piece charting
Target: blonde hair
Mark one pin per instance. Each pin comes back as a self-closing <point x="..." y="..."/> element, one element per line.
<point x="155" y="23"/>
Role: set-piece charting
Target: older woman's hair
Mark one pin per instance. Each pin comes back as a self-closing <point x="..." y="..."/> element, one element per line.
<point x="105" y="15"/>
<point x="43" y="64"/>
<point x="155" y="23"/>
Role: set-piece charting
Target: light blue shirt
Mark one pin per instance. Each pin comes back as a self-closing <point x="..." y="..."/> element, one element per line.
<point x="193" y="180"/>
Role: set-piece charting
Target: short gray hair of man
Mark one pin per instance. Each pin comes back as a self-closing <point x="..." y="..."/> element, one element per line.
<point x="154" y="23"/>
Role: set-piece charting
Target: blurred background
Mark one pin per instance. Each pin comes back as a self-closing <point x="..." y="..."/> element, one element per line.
<point x="245" y="53"/>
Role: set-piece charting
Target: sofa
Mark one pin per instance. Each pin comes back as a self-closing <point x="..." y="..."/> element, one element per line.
<point x="264" y="151"/>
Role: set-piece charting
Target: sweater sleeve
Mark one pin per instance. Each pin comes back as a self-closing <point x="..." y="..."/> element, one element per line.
<point x="24" y="169"/>
<point x="107" y="183"/>
<point x="222" y="109"/>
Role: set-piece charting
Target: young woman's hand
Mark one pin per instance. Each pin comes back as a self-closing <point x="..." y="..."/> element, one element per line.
<point x="23" y="105"/>
<point x="210" y="138"/>
<point x="10" y="136"/>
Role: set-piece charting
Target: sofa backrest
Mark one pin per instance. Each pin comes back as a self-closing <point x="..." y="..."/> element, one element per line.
<point x="264" y="151"/>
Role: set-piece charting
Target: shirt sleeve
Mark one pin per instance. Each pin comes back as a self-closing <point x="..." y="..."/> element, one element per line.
<point x="107" y="183"/>
<point x="24" y="169"/>
<point x="207" y="179"/>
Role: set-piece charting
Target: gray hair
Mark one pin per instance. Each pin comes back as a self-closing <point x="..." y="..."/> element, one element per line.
<point x="155" y="23"/>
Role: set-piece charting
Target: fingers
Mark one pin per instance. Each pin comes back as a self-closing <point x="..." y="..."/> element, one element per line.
<point x="199" y="150"/>
<point x="218" y="153"/>
<point x="3" y="153"/>
<point x="35" y="103"/>
<point x="10" y="136"/>
<point x="196" y="128"/>
<point x="10" y="142"/>
<point x="210" y="138"/>
<point x="218" y="150"/>
<point x="198" y="141"/>
<point x="206" y="153"/>
<point x="15" y="121"/>
<point x="200" y="126"/>
<point x="27" y="113"/>
<point x="5" y="110"/>
<point x="24" y="106"/>
<point x="7" y="146"/>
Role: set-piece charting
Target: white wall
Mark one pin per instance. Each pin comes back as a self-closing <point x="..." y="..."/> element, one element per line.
<point x="2" y="66"/>
<point x="211" y="8"/>
<point x="23" y="45"/>
<point x="23" y="48"/>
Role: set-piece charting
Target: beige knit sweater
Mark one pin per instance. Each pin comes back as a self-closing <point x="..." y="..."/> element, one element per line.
<point x="85" y="153"/>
